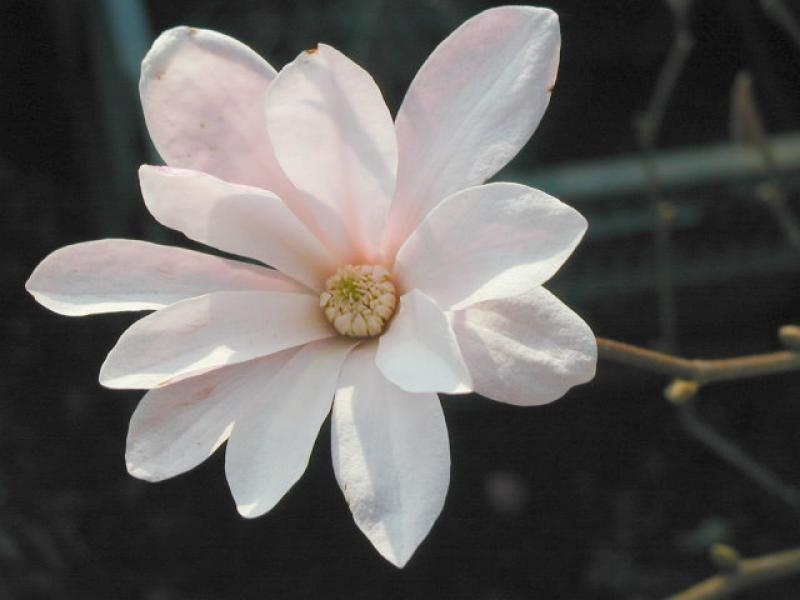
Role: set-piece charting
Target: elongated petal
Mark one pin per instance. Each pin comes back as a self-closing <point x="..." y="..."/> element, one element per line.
<point x="175" y="428"/>
<point x="270" y="445"/>
<point x="117" y="275"/>
<point x="525" y="350"/>
<point x="204" y="333"/>
<point x="334" y="138"/>
<point x="391" y="456"/>
<point x="239" y="219"/>
<point x="472" y="106"/>
<point x="203" y="95"/>
<point x="490" y="241"/>
<point x="419" y="352"/>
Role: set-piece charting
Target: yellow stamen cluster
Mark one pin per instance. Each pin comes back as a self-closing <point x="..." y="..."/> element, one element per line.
<point x="359" y="300"/>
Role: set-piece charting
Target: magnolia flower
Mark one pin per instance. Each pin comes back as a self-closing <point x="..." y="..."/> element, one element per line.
<point x="394" y="271"/>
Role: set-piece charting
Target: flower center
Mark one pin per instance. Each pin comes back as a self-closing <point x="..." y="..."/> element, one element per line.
<point x="359" y="300"/>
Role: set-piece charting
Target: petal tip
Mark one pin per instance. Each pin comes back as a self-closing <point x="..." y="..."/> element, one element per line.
<point x="397" y="561"/>
<point x="167" y="45"/>
<point x="140" y="472"/>
<point x="30" y="283"/>
<point x="31" y="286"/>
<point x="250" y="510"/>
<point x="398" y="555"/>
<point x="462" y="388"/>
<point x="162" y="49"/>
<point x="110" y="377"/>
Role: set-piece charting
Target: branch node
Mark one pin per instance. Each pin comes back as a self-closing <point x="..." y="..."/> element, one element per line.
<point x="681" y="391"/>
<point x="725" y="558"/>
<point x="790" y="337"/>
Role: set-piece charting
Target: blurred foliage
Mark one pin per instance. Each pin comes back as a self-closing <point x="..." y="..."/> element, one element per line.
<point x="600" y="495"/>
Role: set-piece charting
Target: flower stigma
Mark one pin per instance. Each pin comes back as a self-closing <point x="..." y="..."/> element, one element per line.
<point x="359" y="300"/>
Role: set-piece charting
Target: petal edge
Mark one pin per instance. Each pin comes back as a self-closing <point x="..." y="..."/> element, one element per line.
<point x="526" y="350"/>
<point x="471" y="107"/>
<point x="391" y="457"/>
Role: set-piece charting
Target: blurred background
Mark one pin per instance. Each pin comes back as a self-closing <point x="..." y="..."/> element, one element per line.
<point x="674" y="127"/>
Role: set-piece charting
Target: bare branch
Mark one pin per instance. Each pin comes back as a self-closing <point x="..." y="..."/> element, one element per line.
<point x="700" y="371"/>
<point x="689" y="375"/>
<point x="649" y="122"/>
<point x="748" y="573"/>
<point x="735" y="456"/>
<point x="747" y="128"/>
<point x="647" y="127"/>
<point x="780" y="13"/>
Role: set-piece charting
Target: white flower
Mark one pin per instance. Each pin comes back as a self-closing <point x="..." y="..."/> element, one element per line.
<point x="399" y="273"/>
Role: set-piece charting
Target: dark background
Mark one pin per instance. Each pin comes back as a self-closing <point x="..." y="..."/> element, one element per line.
<point x="599" y="495"/>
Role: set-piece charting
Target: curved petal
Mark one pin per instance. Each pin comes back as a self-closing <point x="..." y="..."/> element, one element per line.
<point x="239" y="219"/>
<point x="472" y="106"/>
<point x="333" y="136"/>
<point x="271" y="443"/>
<point x="391" y="456"/>
<point x="525" y="350"/>
<point x="490" y="241"/>
<point x="117" y="275"/>
<point x="419" y="352"/>
<point x="207" y="332"/>
<point x="203" y="99"/>
<point x="175" y="428"/>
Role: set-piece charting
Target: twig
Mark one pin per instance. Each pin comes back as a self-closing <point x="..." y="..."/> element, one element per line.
<point x="689" y="375"/>
<point x="747" y="573"/>
<point x="649" y="122"/>
<point x="647" y="126"/>
<point x="701" y="371"/>
<point x="778" y="12"/>
<point x="737" y="458"/>
<point x="747" y="127"/>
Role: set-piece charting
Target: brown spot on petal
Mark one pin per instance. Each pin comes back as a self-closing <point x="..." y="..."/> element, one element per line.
<point x="191" y="30"/>
<point x="551" y="87"/>
<point x="312" y="50"/>
<point x="346" y="494"/>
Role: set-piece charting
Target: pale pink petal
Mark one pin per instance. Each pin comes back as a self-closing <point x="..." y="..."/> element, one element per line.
<point x="525" y="350"/>
<point x="472" y="106"/>
<point x="419" y="352"/>
<point x="334" y="138"/>
<point x="203" y="99"/>
<point x="117" y="275"/>
<point x="175" y="428"/>
<point x="207" y="332"/>
<point x="272" y="441"/>
<point x="239" y="219"/>
<point x="490" y="241"/>
<point x="391" y="456"/>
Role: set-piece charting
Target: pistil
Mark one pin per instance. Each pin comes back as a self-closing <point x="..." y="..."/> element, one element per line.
<point x="359" y="300"/>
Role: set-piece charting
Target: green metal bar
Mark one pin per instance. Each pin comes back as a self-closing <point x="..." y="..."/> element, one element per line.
<point x="122" y="35"/>
<point x="129" y="37"/>
<point x="130" y="34"/>
<point x="632" y="222"/>
<point x="623" y="279"/>
<point x="675" y="168"/>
